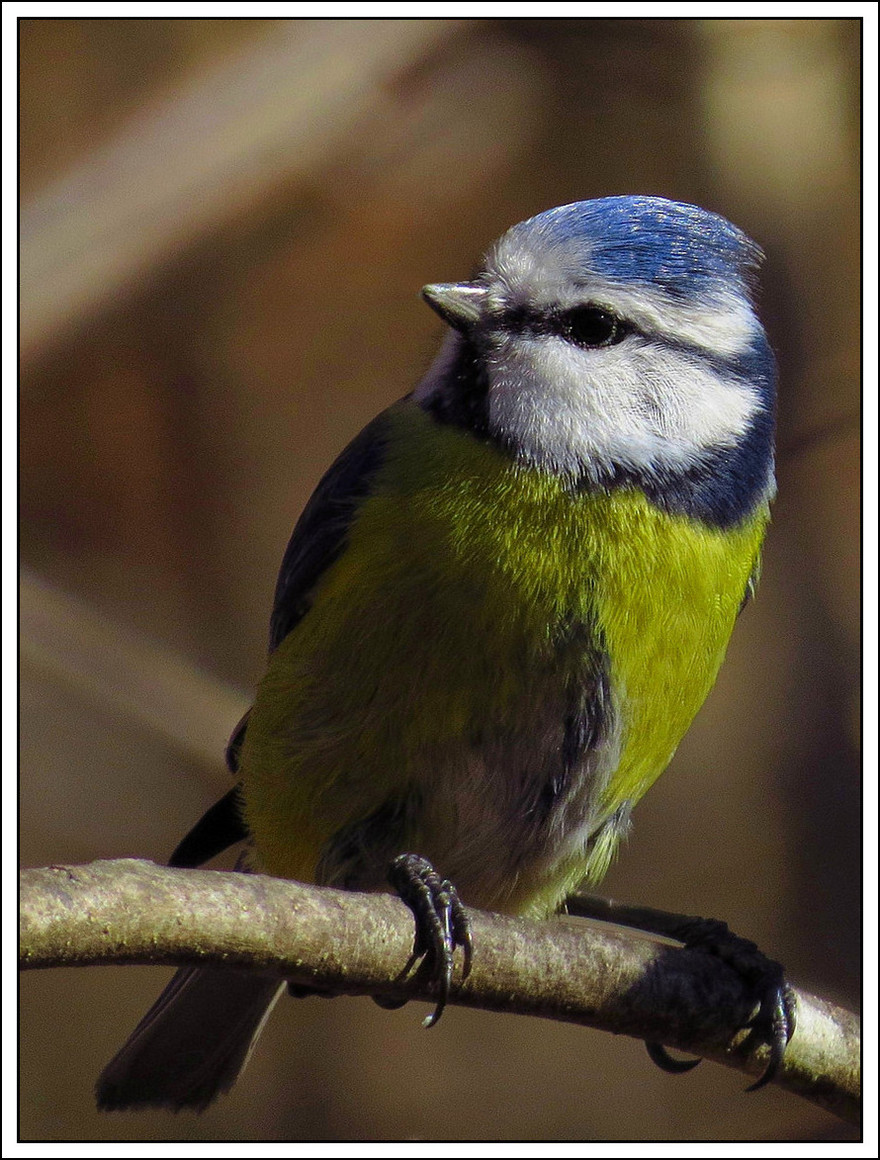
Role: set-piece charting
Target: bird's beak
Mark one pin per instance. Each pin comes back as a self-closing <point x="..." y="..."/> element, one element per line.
<point x="461" y="304"/>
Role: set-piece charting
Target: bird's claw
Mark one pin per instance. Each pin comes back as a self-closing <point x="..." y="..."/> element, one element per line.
<point x="774" y="1022"/>
<point x="441" y="923"/>
<point x="666" y="1062"/>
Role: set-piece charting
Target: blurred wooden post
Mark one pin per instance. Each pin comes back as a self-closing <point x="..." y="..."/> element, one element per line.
<point x="205" y="155"/>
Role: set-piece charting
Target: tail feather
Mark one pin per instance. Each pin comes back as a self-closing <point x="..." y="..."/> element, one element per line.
<point x="193" y="1042"/>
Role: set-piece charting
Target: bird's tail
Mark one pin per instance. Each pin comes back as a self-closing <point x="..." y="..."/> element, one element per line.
<point x="193" y="1042"/>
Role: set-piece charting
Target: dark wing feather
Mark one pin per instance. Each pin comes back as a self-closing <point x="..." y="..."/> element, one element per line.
<point x="218" y="828"/>
<point x="320" y="532"/>
<point x="317" y="541"/>
<point x="233" y="749"/>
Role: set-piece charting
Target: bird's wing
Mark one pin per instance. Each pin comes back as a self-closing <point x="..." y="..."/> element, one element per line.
<point x="316" y="542"/>
<point x="319" y="535"/>
<point x="216" y="830"/>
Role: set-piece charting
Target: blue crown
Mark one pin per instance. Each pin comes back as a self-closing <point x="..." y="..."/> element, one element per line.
<point x="686" y="250"/>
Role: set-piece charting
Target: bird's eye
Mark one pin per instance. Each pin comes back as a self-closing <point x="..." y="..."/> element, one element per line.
<point x="592" y="326"/>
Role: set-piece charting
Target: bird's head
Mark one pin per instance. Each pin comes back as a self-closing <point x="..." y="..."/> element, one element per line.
<point x="615" y="342"/>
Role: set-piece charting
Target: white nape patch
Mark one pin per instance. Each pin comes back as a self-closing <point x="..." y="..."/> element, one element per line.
<point x="549" y="273"/>
<point x="639" y="404"/>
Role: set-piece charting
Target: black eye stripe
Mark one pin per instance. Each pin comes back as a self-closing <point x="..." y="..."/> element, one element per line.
<point x="588" y="326"/>
<point x="521" y="320"/>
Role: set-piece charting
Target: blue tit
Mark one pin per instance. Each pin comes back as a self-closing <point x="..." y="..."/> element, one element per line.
<point x="505" y="601"/>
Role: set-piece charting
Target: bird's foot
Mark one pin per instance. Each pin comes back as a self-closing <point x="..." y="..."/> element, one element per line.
<point x="772" y="1024"/>
<point x="774" y="1020"/>
<point x="441" y="925"/>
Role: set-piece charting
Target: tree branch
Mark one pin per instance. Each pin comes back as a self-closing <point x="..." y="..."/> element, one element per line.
<point x="131" y="911"/>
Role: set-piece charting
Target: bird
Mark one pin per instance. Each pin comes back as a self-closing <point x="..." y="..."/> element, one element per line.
<point x="502" y="606"/>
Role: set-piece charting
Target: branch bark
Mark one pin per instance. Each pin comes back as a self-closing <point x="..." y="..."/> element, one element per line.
<point x="130" y="911"/>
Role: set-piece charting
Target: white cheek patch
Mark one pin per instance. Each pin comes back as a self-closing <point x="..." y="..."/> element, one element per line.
<point x="639" y="406"/>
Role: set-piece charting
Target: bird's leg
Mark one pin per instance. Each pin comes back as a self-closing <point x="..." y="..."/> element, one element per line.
<point x="441" y="924"/>
<point x="774" y="1022"/>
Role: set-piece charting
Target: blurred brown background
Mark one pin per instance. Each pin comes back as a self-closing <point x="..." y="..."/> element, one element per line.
<point x="225" y="225"/>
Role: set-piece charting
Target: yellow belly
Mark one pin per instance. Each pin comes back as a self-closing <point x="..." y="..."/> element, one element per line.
<point x="431" y="637"/>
